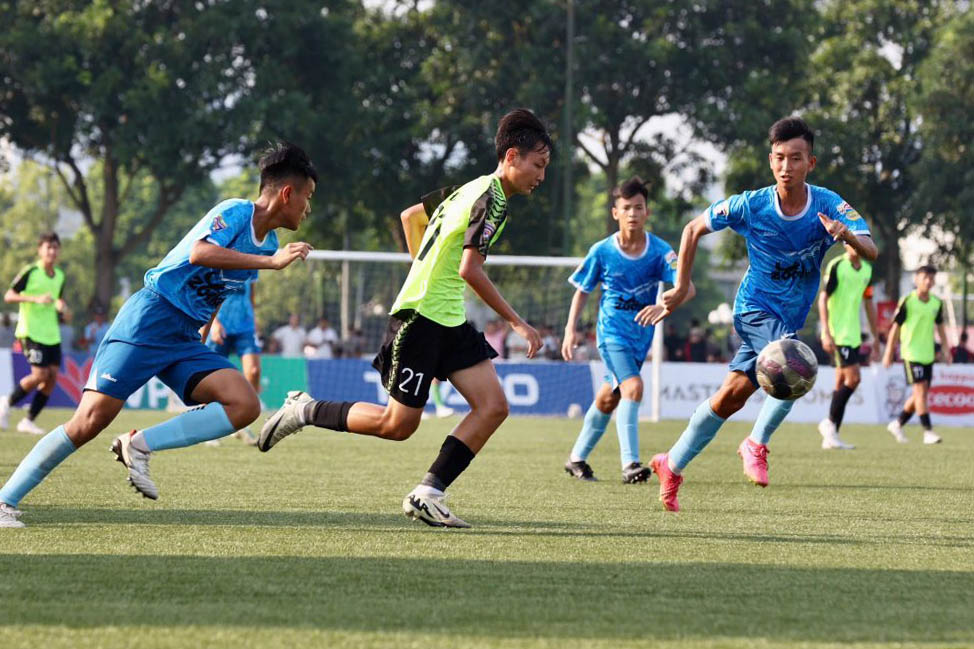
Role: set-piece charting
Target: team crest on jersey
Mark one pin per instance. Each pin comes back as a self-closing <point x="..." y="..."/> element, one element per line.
<point x="671" y="259"/>
<point x="846" y="210"/>
<point x="489" y="230"/>
<point x="218" y="223"/>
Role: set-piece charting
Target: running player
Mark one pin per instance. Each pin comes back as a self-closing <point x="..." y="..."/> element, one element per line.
<point x="628" y="265"/>
<point x="449" y="234"/>
<point x="38" y="288"/>
<point x="788" y="227"/>
<point x="847" y="280"/>
<point x="917" y="315"/>
<point x="159" y="331"/>
<point x="234" y="331"/>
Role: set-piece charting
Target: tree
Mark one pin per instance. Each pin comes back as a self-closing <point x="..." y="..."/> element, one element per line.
<point x="147" y="91"/>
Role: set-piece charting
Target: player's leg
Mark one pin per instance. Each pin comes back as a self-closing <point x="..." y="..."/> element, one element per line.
<point x="41" y="397"/>
<point x="593" y="427"/>
<point x="895" y="427"/>
<point x="251" y="369"/>
<point x="38" y="372"/>
<point x="921" y="392"/>
<point x="442" y="410"/>
<point x="95" y="412"/>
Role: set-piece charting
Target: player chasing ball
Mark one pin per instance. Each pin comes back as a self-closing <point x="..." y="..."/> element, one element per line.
<point x="160" y="329"/>
<point x="449" y="235"/>
<point x="628" y="265"/>
<point x="787" y="227"/>
<point x="917" y="315"/>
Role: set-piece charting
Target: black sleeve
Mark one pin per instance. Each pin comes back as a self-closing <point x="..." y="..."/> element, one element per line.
<point x="60" y="292"/>
<point x="940" y="314"/>
<point x="833" y="279"/>
<point x="20" y="282"/>
<point x="487" y="217"/>
<point x="900" y="316"/>
<point x="432" y="200"/>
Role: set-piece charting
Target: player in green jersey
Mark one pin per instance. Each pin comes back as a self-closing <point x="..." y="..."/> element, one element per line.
<point x="846" y="288"/>
<point x="917" y="315"/>
<point x="38" y="289"/>
<point x="449" y="235"/>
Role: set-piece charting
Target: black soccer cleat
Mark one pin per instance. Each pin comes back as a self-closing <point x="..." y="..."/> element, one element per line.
<point x="635" y="472"/>
<point x="580" y="470"/>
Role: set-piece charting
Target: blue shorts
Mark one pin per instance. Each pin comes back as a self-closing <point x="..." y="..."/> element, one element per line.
<point x="239" y="344"/>
<point x="621" y="362"/>
<point x="151" y="337"/>
<point x="756" y="330"/>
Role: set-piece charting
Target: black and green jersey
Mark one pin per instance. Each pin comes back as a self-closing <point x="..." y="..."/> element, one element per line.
<point x="917" y="320"/>
<point x="471" y="216"/>
<point x="846" y="286"/>
<point x="39" y="321"/>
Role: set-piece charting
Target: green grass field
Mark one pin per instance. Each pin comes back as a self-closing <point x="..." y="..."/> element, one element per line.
<point x="305" y="546"/>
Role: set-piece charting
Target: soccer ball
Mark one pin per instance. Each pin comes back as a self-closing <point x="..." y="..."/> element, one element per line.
<point x="787" y="369"/>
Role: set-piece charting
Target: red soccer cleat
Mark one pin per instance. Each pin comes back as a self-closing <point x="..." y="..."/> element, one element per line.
<point x="669" y="482"/>
<point x="755" y="457"/>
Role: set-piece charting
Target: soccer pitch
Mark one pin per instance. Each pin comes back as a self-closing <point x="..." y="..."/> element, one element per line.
<point x="306" y="546"/>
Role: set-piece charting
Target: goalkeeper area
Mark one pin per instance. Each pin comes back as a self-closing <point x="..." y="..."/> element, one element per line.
<point x="305" y="546"/>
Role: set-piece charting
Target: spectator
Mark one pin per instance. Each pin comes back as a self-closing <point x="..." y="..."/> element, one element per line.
<point x="696" y="347"/>
<point x="6" y="332"/>
<point x="960" y="353"/>
<point x="496" y="335"/>
<point x="550" y="344"/>
<point x="291" y="337"/>
<point x="585" y="350"/>
<point x="322" y="340"/>
<point x="354" y="347"/>
<point x="95" y="330"/>
<point x="865" y="349"/>
<point x="67" y="334"/>
<point x="673" y="343"/>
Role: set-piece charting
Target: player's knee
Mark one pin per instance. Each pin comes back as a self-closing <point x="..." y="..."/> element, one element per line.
<point x="852" y="382"/>
<point x="606" y="404"/>
<point x="243" y="410"/>
<point x="632" y="389"/>
<point x="253" y="375"/>
<point x="398" y="430"/>
<point x="86" y="424"/>
<point x="496" y="410"/>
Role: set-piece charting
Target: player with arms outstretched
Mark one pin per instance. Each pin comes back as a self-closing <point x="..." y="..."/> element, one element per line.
<point x="628" y="265"/>
<point x="788" y="228"/>
<point x="160" y="329"/>
<point x="449" y="234"/>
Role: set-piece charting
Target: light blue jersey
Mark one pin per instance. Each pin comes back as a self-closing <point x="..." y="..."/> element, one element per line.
<point x="628" y="284"/>
<point x="237" y="312"/>
<point x="785" y="252"/>
<point x="197" y="291"/>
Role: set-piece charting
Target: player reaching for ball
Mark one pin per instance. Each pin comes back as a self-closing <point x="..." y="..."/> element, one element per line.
<point x="788" y="227"/>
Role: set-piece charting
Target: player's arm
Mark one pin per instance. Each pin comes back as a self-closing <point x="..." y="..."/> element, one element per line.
<point x="653" y="313"/>
<point x="205" y="329"/>
<point x="568" y="342"/>
<point x="891" y="340"/>
<point x="15" y="294"/>
<point x="217" y="332"/>
<point x="944" y="343"/>
<point x="472" y="272"/>
<point x="863" y="243"/>
<point x="210" y="255"/>
<point x="873" y="319"/>
<point x="680" y="292"/>
<point x="414" y="221"/>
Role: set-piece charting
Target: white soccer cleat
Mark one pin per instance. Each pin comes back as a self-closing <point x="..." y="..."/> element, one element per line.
<point x="9" y="516"/>
<point x="431" y="510"/>
<point x="444" y="411"/>
<point x="930" y="437"/>
<point x="830" y="436"/>
<point x="896" y="430"/>
<point x="286" y="421"/>
<point x="137" y="463"/>
<point x="25" y="425"/>
<point x="4" y="412"/>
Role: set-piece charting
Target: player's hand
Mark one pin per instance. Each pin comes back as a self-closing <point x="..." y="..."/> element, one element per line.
<point x="887" y="361"/>
<point x="290" y="253"/>
<point x="671" y="298"/>
<point x="828" y="344"/>
<point x="530" y="334"/>
<point x="649" y="315"/>
<point x="838" y="229"/>
<point x="568" y="345"/>
<point x="43" y="299"/>
<point x="948" y="359"/>
<point x="874" y="353"/>
<point x="217" y="332"/>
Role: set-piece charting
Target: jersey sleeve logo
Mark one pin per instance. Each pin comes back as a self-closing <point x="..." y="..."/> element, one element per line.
<point x="848" y="212"/>
<point x="670" y="259"/>
<point x="218" y="223"/>
<point x="722" y="209"/>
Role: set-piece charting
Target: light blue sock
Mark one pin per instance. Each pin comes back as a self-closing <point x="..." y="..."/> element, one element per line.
<point x="773" y="412"/>
<point x="702" y="427"/>
<point x="191" y="427"/>
<point x="592" y="429"/>
<point x="47" y="453"/>
<point x="627" y="426"/>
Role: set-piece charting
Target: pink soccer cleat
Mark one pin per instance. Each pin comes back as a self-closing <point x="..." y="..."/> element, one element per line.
<point x="669" y="482"/>
<point x="755" y="457"/>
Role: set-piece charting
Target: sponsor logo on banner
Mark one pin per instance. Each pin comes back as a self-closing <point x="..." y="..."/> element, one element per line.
<point x="951" y="399"/>
<point x="73" y="377"/>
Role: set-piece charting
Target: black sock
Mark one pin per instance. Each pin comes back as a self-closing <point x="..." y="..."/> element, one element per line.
<point x="328" y="414"/>
<point x="905" y="417"/>
<point x="839" y="400"/>
<point x="454" y="458"/>
<point x="925" y="421"/>
<point x="17" y="395"/>
<point x="38" y="403"/>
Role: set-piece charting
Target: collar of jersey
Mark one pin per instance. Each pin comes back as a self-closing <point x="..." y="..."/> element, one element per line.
<point x="253" y="233"/>
<point x="615" y="242"/>
<point x="777" y="204"/>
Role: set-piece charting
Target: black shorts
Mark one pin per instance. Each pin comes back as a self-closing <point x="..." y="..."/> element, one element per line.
<point x="918" y="372"/>
<point x="41" y="355"/>
<point x="416" y="350"/>
<point x="846" y="356"/>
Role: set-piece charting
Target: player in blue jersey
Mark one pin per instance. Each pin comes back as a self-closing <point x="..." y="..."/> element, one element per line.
<point x="159" y="332"/>
<point x="628" y="265"/>
<point x="234" y="331"/>
<point x="788" y="227"/>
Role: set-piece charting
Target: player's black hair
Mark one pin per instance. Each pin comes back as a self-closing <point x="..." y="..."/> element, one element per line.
<point x="283" y="160"/>
<point x="630" y="188"/>
<point x="788" y="129"/>
<point x="48" y="237"/>
<point x="521" y="130"/>
<point x="927" y="269"/>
